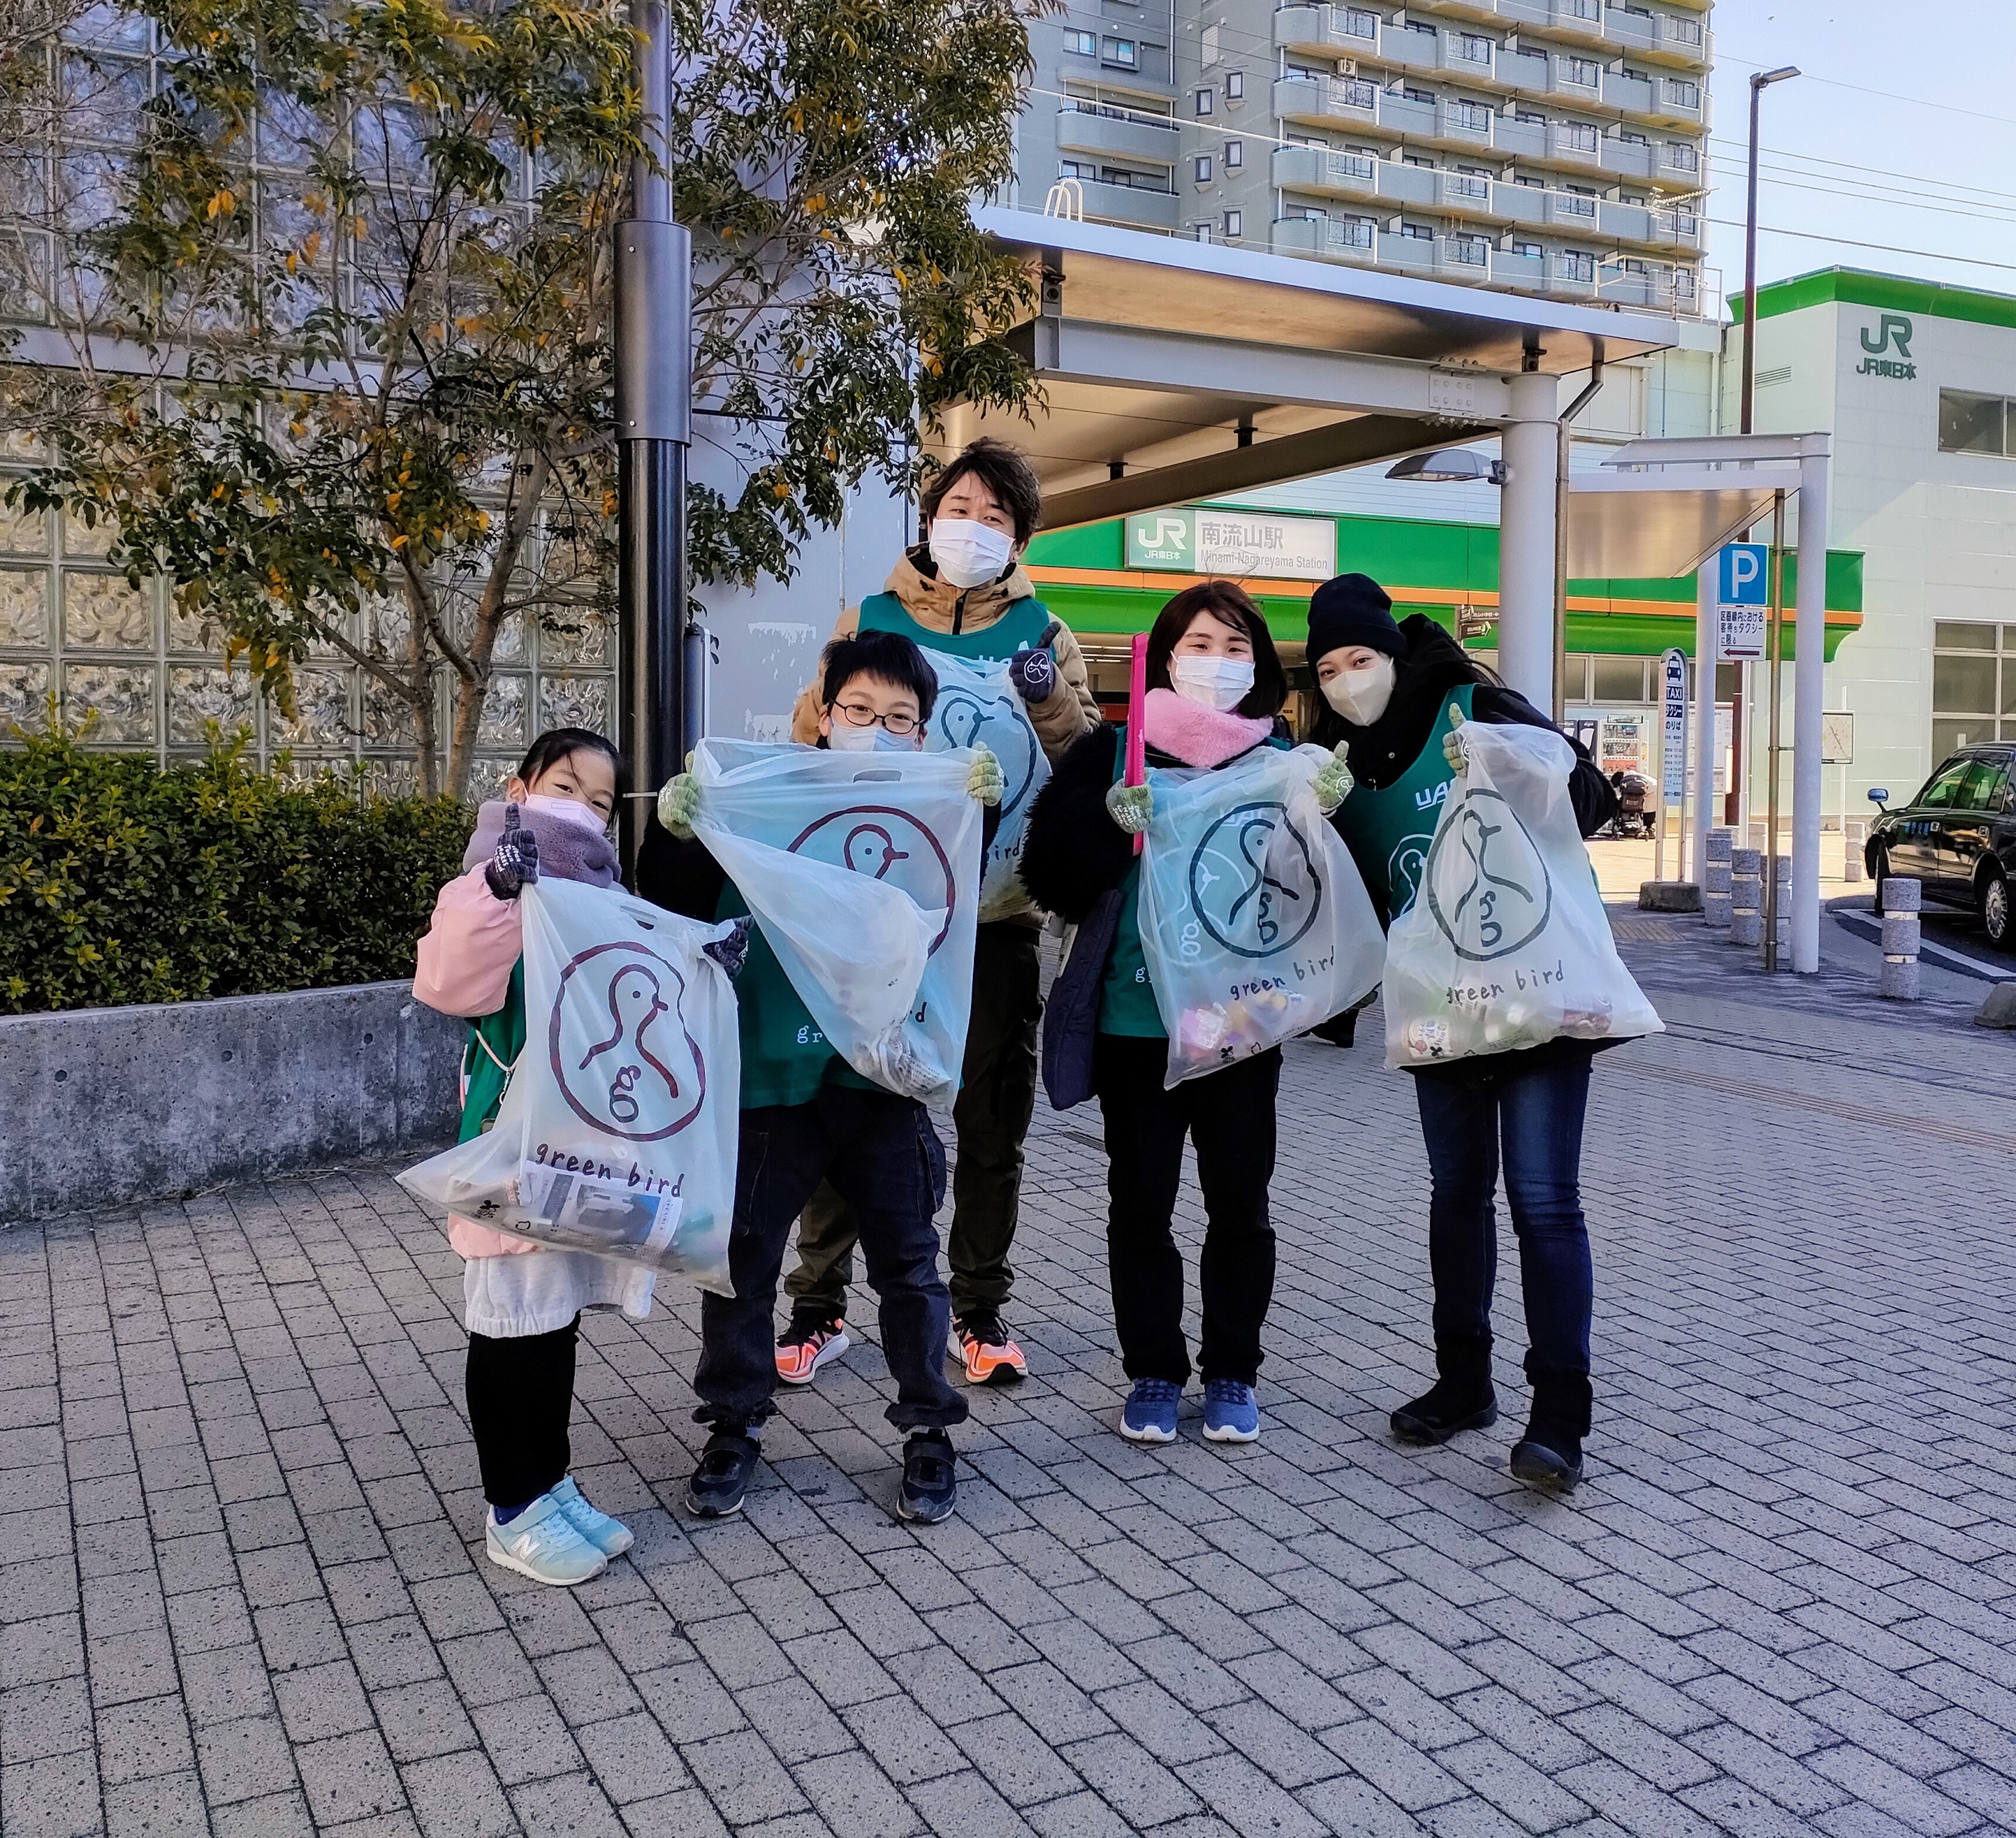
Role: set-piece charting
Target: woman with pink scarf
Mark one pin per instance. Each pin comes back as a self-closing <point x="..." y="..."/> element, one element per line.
<point x="1215" y="686"/>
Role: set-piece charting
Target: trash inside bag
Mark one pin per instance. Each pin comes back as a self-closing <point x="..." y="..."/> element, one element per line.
<point x="1255" y="922"/>
<point x="617" y="1131"/>
<point x="1506" y="945"/>
<point x="863" y="871"/>
<point x="977" y="706"/>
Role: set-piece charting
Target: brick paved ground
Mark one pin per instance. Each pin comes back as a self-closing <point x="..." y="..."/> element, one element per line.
<point x="242" y="1591"/>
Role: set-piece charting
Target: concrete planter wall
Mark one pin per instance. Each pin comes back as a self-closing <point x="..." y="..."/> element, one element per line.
<point x="109" y="1105"/>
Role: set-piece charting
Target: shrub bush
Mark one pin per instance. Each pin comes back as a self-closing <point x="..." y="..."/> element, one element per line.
<point x="122" y="882"/>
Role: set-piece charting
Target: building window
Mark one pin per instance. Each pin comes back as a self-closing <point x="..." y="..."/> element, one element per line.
<point x="1631" y="140"/>
<point x="1576" y="265"/>
<point x="1360" y="22"/>
<point x="1352" y="232"/>
<point x="1531" y="118"/>
<point x="1235" y="155"/>
<point x="1201" y="231"/>
<point x="1582" y="71"/>
<point x="1203" y="168"/>
<point x="1418" y="232"/>
<point x="1620" y="680"/>
<point x="1235" y="223"/>
<point x="1234" y="86"/>
<point x="1683" y="156"/>
<point x="1972" y="424"/>
<point x="1476" y="116"/>
<point x="1472" y="47"/>
<point x="1121" y="51"/>
<point x="1420" y="25"/>
<point x="1207" y="46"/>
<point x="1418" y="95"/>
<point x="1205" y="100"/>
<point x="1528" y="248"/>
<point x="1082" y="44"/>
<point x="1076" y="169"/>
<point x="1683" y="94"/>
<point x="1966" y="695"/>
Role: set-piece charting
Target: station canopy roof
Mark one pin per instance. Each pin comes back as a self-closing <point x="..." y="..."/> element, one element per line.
<point x="1173" y="370"/>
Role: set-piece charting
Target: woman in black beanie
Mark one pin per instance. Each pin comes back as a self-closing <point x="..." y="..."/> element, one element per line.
<point x="1397" y="694"/>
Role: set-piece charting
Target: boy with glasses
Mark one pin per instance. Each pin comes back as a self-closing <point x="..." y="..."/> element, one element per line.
<point x="808" y="1118"/>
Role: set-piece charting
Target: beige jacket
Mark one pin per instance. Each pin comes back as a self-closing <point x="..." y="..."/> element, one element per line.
<point x="940" y="606"/>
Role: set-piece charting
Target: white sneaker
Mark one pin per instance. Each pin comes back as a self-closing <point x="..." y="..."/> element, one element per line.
<point x="610" y="1536"/>
<point x="543" y="1543"/>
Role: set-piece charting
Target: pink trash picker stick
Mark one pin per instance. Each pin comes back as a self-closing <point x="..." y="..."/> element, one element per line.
<point x="1137" y="741"/>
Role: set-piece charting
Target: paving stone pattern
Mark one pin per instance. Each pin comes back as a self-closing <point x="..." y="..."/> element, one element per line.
<point x="241" y="1589"/>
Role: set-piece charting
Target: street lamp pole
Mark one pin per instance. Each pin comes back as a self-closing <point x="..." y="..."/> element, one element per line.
<point x="1759" y="83"/>
<point x="654" y="429"/>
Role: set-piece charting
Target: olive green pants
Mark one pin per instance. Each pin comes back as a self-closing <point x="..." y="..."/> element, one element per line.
<point x="997" y="1098"/>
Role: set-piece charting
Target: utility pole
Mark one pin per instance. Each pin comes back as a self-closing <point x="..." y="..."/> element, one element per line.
<point x="654" y="429"/>
<point x="1759" y="83"/>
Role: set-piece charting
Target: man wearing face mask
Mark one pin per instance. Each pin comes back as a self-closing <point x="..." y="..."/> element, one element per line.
<point x="962" y="590"/>
<point x="1398" y="697"/>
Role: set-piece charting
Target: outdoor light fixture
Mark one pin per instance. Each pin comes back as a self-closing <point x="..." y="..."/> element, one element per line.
<point x="1448" y="466"/>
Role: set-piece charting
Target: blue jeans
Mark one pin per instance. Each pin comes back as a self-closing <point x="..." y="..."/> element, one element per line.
<point x="883" y="1159"/>
<point x="1537" y="1116"/>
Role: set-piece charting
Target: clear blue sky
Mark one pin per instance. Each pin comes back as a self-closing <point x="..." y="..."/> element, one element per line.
<point x="1896" y="100"/>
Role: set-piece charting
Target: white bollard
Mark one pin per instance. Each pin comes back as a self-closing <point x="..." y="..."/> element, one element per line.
<point x="1853" y="836"/>
<point x="1899" y="978"/>
<point x="1716" y="878"/>
<point x="1784" y="915"/>
<point x="1746" y="897"/>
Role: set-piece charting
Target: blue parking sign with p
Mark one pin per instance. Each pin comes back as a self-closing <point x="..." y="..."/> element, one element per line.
<point x="1740" y="566"/>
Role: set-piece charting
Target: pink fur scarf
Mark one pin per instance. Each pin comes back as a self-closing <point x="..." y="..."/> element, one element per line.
<point x="1195" y="734"/>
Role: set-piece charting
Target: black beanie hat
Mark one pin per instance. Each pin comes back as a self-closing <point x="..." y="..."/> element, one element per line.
<point x="1352" y="609"/>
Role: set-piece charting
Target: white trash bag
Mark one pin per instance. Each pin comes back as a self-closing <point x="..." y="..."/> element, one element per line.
<point x="1255" y="922"/>
<point x="1507" y="944"/>
<point x="863" y="870"/>
<point x="616" y="1134"/>
<point x="977" y="706"/>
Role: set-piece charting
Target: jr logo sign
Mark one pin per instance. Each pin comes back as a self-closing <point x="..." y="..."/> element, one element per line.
<point x="1892" y="332"/>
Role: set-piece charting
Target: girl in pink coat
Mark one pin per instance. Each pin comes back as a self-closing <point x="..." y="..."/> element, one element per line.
<point x="523" y="1302"/>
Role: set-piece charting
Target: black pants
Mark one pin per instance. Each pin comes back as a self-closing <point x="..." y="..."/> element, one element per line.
<point x="997" y="1098"/>
<point x="878" y="1152"/>
<point x="521" y="1394"/>
<point x="1229" y="1115"/>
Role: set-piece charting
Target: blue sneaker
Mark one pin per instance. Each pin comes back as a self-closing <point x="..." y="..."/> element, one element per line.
<point x="1149" y="1414"/>
<point x="610" y="1536"/>
<point x="1230" y="1414"/>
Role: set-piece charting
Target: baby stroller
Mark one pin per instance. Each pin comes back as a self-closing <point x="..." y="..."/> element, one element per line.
<point x="1635" y="815"/>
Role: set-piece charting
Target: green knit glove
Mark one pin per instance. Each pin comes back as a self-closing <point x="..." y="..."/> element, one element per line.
<point x="1452" y="743"/>
<point x="679" y="803"/>
<point x="1131" y="806"/>
<point x="1333" y="784"/>
<point x="985" y="780"/>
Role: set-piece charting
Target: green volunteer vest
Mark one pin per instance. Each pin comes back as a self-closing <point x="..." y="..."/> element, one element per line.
<point x="1021" y="628"/>
<point x="1388" y="830"/>
<point x="494" y="1045"/>
<point x="785" y="1059"/>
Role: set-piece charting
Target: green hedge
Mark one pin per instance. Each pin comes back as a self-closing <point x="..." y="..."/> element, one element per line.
<point x="122" y="882"/>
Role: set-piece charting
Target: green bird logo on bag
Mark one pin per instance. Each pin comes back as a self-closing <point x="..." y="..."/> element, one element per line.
<point x="1487" y="888"/>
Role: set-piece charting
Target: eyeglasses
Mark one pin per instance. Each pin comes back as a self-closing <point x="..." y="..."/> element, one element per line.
<point x="858" y="714"/>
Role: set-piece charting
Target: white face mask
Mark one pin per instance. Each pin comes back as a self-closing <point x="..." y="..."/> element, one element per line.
<point x="969" y="554"/>
<point x="1361" y="696"/>
<point x="875" y="739"/>
<point x="1216" y="682"/>
<point x="565" y="809"/>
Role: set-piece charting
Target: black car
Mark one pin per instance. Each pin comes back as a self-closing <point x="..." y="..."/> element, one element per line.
<point x="1957" y="836"/>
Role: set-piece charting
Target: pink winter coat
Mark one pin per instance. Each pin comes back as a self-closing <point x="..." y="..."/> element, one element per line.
<point x="465" y="963"/>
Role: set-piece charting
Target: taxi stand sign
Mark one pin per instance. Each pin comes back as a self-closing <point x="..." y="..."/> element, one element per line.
<point x="1673" y="739"/>
<point x="1741" y="592"/>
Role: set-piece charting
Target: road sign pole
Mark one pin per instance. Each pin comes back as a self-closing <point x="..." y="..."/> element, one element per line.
<point x="1706" y="590"/>
<point x="1772" y="748"/>
<point x="1809" y="696"/>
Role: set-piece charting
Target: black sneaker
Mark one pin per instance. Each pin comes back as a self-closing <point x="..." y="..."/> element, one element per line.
<point x="1548" y="1457"/>
<point x="929" y="1491"/>
<point x="722" y="1478"/>
<point x="1446" y="1409"/>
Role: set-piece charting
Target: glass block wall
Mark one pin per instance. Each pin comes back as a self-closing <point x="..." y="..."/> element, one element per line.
<point x="70" y="624"/>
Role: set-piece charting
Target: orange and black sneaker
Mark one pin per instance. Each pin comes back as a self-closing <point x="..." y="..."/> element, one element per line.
<point x="990" y="1358"/>
<point x="807" y="1344"/>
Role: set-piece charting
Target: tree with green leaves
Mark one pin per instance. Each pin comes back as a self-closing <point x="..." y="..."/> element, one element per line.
<point x="340" y="317"/>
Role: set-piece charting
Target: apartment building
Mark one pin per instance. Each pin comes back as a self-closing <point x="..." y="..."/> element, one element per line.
<point x="1548" y="146"/>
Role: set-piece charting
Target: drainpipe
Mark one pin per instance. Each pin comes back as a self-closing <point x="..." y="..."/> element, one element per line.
<point x="1560" y="532"/>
